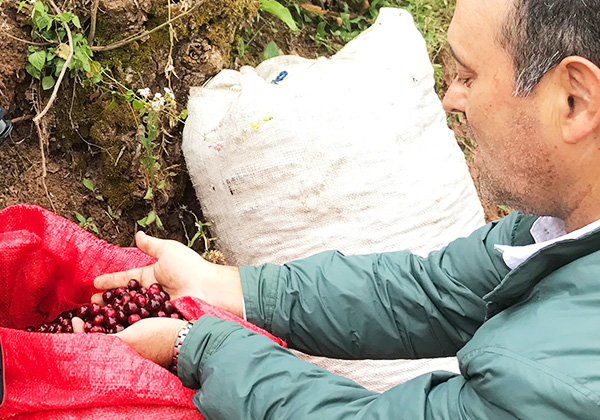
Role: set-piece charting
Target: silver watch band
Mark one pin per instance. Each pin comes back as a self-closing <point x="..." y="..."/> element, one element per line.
<point x="178" y="343"/>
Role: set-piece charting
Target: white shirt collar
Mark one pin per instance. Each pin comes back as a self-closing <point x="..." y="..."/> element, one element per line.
<point x="546" y="231"/>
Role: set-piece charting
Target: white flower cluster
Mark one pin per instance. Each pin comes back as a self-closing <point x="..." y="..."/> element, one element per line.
<point x="170" y="97"/>
<point x="158" y="102"/>
<point x="144" y="93"/>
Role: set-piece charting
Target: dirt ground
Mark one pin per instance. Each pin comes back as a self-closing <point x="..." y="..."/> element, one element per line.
<point x="62" y="189"/>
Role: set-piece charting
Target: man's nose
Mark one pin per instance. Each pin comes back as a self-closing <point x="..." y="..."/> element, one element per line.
<point x="455" y="99"/>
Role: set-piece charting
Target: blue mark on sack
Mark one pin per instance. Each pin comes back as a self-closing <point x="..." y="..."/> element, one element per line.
<point x="280" y="77"/>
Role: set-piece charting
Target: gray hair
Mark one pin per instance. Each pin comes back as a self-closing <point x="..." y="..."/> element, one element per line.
<point x="539" y="34"/>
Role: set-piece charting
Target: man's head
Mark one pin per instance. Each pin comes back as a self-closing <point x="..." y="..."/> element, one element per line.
<point x="529" y="83"/>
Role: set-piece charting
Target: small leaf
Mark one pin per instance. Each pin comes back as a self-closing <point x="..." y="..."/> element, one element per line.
<point x="84" y="60"/>
<point x="61" y="33"/>
<point x="41" y="20"/>
<point x="194" y="238"/>
<point x="161" y="184"/>
<point x="149" y="194"/>
<point x="271" y="50"/>
<point x="21" y="5"/>
<point x="280" y="11"/>
<point x="76" y="22"/>
<point x="97" y="78"/>
<point x="48" y="82"/>
<point x="241" y="47"/>
<point x="80" y="218"/>
<point x="33" y="71"/>
<point x="313" y="9"/>
<point x="93" y="228"/>
<point x="111" y="213"/>
<point x="65" y="17"/>
<point x="88" y="184"/>
<point x="39" y="6"/>
<point x="37" y="59"/>
<point x="143" y="222"/>
<point x="183" y="114"/>
<point x="137" y="104"/>
<point x="151" y="217"/>
<point x="95" y="68"/>
<point x="129" y="95"/>
<point x="159" y="223"/>
<point x="62" y="50"/>
<point x="172" y="174"/>
<point x="321" y="30"/>
<point x="60" y="63"/>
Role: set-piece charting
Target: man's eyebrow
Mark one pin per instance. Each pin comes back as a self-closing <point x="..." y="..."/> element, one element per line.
<point x="458" y="60"/>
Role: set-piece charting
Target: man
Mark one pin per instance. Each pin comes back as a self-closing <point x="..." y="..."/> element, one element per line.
<point x="518" y="301"/>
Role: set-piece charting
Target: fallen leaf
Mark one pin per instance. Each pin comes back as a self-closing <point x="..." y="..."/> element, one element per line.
<point x="313" y="8"/>
<point x="62" y="51"/>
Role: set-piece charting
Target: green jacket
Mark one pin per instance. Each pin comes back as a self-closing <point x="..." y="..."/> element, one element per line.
<point x="527" y="340"/>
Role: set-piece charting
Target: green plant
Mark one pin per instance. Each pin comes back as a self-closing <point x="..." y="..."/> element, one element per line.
<point x="88" y="224"/>
<point x="279" y="10"/>
<point x="46" y="59"/>
<point x="113" y="214"/>
<point x="153" y="111"/>
<point x="88" y="184"/>
<point x="201" y="233"/>
<point x="270" y="51"/>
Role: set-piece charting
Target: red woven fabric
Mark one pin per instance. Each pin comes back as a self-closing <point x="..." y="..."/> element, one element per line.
<point x="47" y="266"/>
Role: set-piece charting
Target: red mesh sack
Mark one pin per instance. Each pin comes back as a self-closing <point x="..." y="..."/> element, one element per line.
<point x="47" y="266"/>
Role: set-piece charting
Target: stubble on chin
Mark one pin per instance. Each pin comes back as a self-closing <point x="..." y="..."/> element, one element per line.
<point x="494" y="183"/>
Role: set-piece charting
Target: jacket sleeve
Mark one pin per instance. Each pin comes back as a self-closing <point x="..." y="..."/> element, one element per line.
<point x="243" y="375"/>
<point x="380" y="306"/>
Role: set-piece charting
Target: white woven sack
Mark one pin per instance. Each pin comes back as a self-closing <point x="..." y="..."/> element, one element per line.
<point x="350" y="153"/>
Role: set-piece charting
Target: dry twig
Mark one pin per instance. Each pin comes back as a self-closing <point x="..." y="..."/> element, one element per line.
<point x="42" y="134"/>
<point x="93" y="22"/>
<point x="41" y="44"/>
<point x="22" y="118"/>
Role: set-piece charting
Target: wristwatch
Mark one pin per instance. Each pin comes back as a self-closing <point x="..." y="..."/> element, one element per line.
<point x="178" y="343"/>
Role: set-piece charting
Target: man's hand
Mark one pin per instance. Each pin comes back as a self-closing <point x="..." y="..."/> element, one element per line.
<point x="154" y="338"/>
<point x="182" y="272"/>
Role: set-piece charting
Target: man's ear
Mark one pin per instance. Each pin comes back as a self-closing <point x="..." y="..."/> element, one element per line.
<point x="579" y="99"/>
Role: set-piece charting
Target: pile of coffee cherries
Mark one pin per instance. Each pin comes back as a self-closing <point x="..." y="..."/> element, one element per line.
<point x="124" y="307"/>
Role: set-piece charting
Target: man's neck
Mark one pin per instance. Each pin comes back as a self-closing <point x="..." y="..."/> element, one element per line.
<point x="583" y="215"/>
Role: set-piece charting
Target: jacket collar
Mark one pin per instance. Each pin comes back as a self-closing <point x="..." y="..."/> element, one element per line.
<point x="520" y="281"/>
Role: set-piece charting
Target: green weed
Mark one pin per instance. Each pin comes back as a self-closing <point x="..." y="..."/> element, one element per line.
<point x="88" y="224"/>
<point x="46" y="61"/>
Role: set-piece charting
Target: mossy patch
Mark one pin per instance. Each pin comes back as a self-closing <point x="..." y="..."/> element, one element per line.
<point x="215" y="20"/>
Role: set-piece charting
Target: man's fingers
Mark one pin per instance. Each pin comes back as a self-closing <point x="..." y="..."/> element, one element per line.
<point x="78" y="325"/>
<point x="97" y="298"/>
<point x="120" y="279"/>
<point x="149" y="244"/>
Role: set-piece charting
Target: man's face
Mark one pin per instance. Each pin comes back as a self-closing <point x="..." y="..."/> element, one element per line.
<point x="513" y="160"/>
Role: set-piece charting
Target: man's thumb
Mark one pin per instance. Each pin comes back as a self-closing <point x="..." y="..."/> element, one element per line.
<point x="149" y="244"/>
